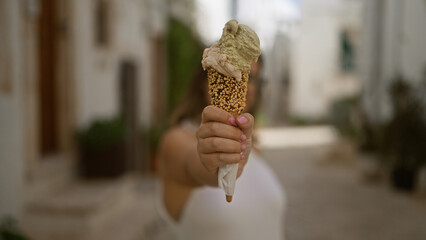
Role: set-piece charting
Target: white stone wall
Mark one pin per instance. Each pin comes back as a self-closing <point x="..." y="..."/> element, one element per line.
<point x="277" y="68"/>
<point x="11" y="115"/>
<point x="184" y="10"/>
<point x="93" y="71"/>
<point x="97" y="67"/>
<point x="315" y="64"/>
<point x="315" y="76"/>
<point x="413" y="49"/>
<point x="393" y="43"/>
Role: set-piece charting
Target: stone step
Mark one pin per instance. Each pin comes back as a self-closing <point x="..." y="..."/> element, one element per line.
<point x="131" y="222"/>
<point x="87" y="210"/>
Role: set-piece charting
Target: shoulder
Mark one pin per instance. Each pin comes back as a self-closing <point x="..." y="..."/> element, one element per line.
<point x="176" y="138"/>
<point x="175" y="145"/>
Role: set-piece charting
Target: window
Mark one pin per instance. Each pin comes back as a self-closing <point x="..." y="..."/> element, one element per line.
<point x="101" y="23"/>
<point x="347" y="52"/>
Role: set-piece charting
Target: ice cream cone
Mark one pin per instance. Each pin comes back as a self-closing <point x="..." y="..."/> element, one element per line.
<point x="228" y="67"/>
<point x="226" y="92"/>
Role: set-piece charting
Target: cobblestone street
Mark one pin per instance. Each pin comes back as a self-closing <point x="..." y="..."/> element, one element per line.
<point x="329" y="200"/>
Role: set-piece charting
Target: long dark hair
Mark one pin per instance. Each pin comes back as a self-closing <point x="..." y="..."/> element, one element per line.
<point x="194" y="100"/>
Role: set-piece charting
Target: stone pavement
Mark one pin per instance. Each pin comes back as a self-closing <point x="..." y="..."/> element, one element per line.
<point x="329" y="200"/>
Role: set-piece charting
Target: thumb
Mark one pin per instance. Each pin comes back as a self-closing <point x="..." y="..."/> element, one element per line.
<point x="246" y="123"/>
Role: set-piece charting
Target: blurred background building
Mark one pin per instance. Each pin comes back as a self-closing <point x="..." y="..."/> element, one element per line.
<point x="78" y="76"/>
<point x="65" y="65"/>
<point x="392" y="45"/>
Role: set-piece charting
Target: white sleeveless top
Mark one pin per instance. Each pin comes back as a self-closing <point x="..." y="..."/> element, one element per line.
<point x="256" y="211"/>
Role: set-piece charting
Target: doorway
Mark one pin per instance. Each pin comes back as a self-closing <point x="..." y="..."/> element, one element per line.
<point x="128" y="73"/>
<point x="47" y="89"/>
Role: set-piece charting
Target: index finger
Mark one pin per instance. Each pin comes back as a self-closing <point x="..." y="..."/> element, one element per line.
<point x="214" y="114"/>
<point x="245" y="123"/>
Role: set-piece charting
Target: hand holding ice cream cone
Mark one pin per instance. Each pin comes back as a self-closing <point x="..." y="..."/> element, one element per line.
<point x="228" y="66"/>
<point x="224" y="140"/>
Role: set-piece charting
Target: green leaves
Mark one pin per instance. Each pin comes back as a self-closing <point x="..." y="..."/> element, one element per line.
<point x="101" y="133"/>
<point x="9" y="230"/>
<point x="184" y="53"/>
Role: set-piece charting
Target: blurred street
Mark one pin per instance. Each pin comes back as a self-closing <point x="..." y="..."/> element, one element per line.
<point x="331" y="201"/>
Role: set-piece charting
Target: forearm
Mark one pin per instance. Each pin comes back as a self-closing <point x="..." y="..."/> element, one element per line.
<point x="195" y="170"/>
<point x="179" y="161"/>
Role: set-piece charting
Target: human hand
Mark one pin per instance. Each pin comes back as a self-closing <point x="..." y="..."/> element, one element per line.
<point x="224" y="139"/>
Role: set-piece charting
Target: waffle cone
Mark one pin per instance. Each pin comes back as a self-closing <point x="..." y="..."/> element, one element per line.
<point x="226" y="92"/>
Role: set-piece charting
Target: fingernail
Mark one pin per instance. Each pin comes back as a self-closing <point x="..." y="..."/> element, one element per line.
<point x="242" y="156"/>
<point x="242" y="119"/>
<point x="232" y="120"/>
<point x="243" y="138"/>
<point x="243" y="147"/>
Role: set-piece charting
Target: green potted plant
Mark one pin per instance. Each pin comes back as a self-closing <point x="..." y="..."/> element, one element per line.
<point x="345" y="116"/>
<point x="9" y="230"/>
<point x="101" y="149"/>
<point x="404" y="137"/>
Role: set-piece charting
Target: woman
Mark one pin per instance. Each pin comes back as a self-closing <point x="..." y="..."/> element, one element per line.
<point x="202" y="139"/>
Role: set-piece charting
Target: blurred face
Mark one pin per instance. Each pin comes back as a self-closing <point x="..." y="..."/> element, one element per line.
<point x="252" y="85"/>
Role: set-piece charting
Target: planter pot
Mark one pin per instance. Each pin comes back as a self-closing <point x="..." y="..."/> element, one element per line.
<point x="105" y="162"/>
<point x="404" y="179"/>
<point x="421" y="181"/>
